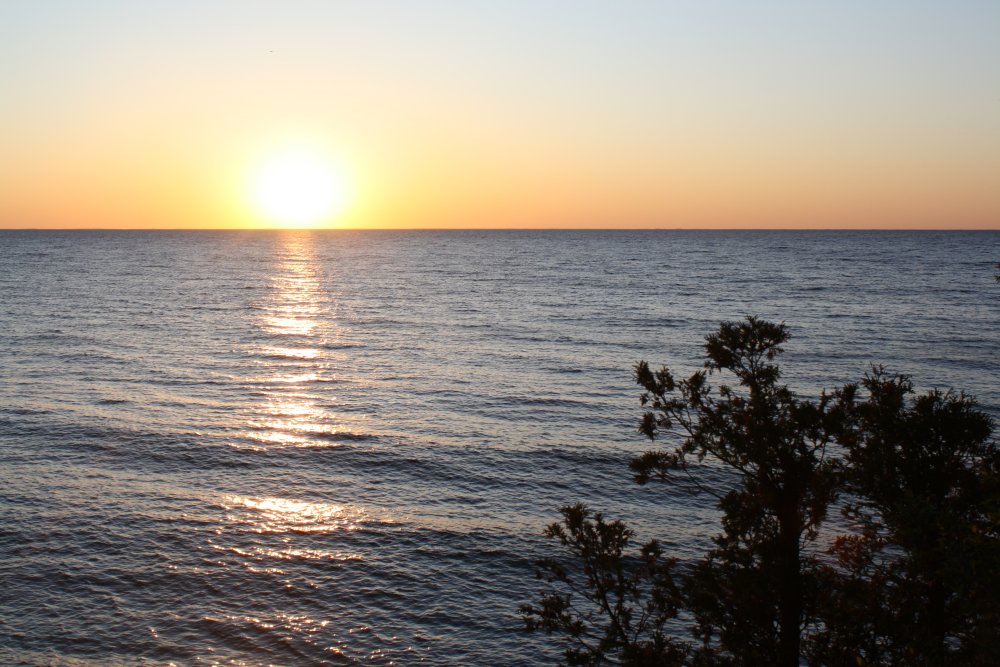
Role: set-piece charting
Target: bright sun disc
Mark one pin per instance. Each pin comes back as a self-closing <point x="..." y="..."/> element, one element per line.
<point x="298" y="189"/>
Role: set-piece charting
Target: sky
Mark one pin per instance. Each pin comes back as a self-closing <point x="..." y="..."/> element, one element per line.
<point x="548" y="114"/>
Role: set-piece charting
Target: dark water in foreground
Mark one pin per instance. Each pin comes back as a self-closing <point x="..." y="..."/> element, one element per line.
<point x="243" y="448"/>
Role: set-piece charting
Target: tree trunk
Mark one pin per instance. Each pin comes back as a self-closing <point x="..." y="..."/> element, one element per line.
<point x="935" y="623"/>
<point x="789" y="581"/>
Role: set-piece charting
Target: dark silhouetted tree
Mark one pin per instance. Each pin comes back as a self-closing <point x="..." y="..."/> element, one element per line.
<point x="915" y="583"/>
<point x="918" y="584"/>
<point x="612" y="607"/>
<point x="753" y="594"/>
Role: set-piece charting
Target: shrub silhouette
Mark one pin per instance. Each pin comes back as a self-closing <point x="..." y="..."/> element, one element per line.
<point x="915" y="584"/>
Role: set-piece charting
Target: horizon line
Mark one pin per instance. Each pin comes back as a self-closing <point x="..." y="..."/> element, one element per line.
<point x="500" y="229"/>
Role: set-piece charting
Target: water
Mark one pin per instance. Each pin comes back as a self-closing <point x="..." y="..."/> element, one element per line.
<point x="257" y="448"/>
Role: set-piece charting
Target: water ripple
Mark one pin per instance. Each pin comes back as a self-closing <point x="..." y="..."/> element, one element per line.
<point x="253" y="449"/>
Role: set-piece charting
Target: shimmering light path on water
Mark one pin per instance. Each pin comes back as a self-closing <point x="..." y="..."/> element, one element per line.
<point x="341" y="448"/>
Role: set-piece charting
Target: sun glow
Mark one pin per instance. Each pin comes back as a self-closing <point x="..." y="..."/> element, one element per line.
<point x="298" y="187"/>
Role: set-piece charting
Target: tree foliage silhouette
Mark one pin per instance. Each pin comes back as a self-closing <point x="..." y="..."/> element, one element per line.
<point x="635" y="597"/>
<point x="922" y="486"/>
<point x="917" y="585"/>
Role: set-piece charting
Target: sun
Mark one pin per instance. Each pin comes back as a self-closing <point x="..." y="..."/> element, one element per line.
<point x="298" y="187"/>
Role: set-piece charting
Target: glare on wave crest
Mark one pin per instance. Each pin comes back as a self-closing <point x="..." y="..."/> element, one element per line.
<point x="284" y="515"/>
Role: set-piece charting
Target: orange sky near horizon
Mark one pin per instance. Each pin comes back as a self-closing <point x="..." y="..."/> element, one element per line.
<point x="644" y="115"/>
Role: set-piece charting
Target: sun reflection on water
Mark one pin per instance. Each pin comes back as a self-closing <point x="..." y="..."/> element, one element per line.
<point x="296" y="288"/>
<point x="289" y="326"/>
<point x="287" y="521"/>
<point x="297" y="315"/>
<point x="284" y="515"/>
<point x="286" y="543"/>
<point x="291" y="352"/>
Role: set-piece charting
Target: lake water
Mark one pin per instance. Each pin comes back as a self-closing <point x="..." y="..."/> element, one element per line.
<point x="332" y="448"/>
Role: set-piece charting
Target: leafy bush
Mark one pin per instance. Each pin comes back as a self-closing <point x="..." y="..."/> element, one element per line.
<point x="915" y="584"/>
